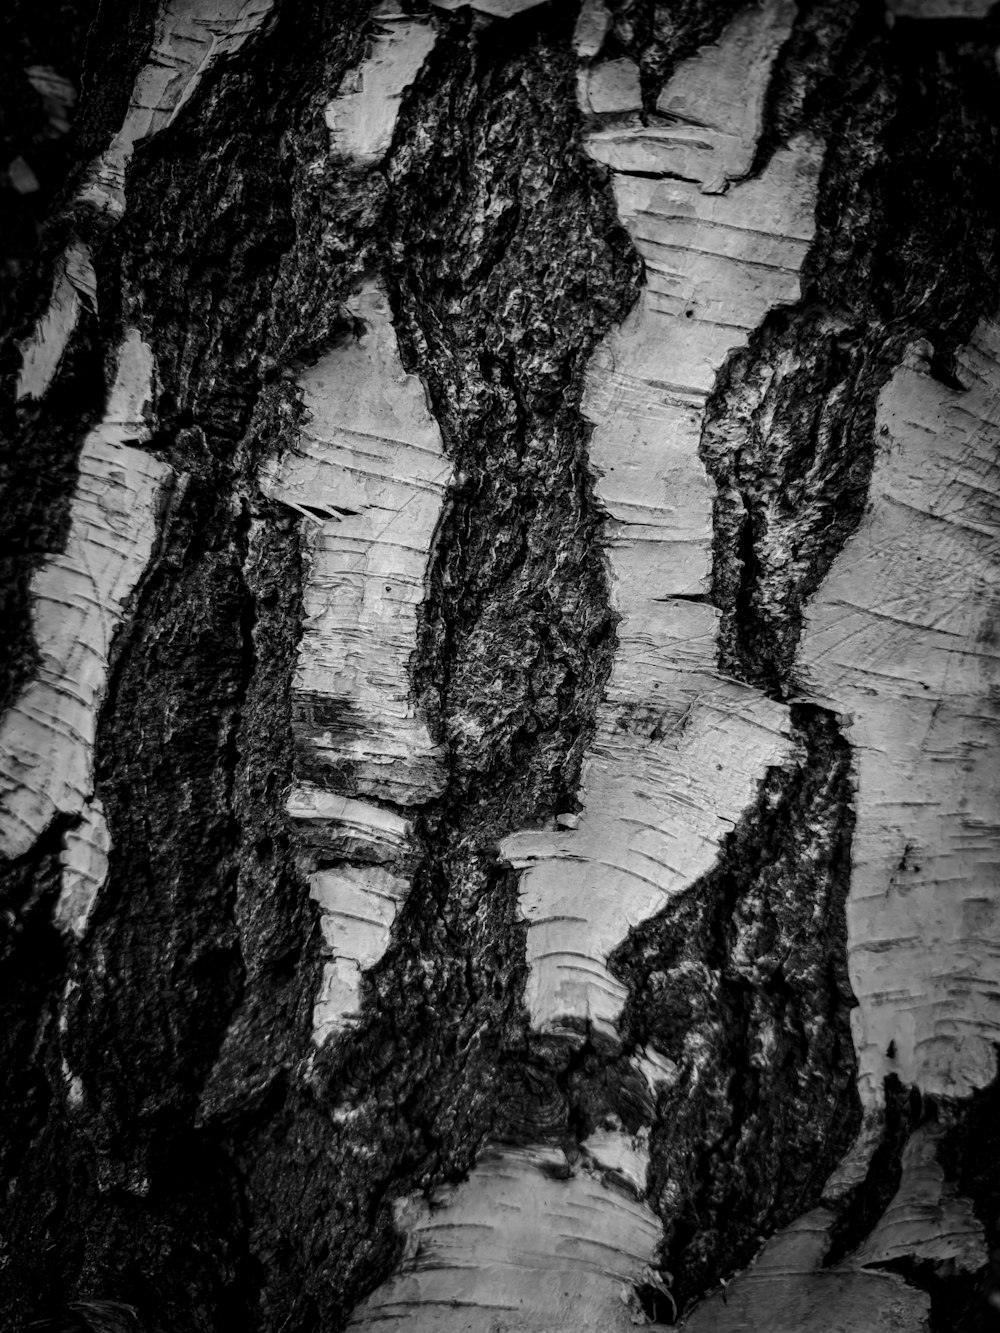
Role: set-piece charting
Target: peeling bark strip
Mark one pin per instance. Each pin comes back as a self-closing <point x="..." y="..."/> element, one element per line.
<point x="926" y="1220"/>
<point x="74" y="287"/>
<point x="680" y="750"/>
<point x="709" y="122"/>
<point x="902" y="639"/>
<point x="370" y="475"/>
<point x="47" y="737"/>
<point x="84" y="863"/>
<point x="362" y="118"/>
<point x="191" y="36"/>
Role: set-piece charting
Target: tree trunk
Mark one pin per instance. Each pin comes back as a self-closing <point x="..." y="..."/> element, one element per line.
<point x="499" y="820"/>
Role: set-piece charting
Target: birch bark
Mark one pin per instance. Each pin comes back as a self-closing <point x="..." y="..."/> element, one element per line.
<point x="499" y="795"/>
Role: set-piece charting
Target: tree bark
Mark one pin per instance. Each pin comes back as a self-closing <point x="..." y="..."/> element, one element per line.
<point x="499" y="810"/>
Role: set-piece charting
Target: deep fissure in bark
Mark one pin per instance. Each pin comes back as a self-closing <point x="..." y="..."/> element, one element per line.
<point x="516" y="633"/>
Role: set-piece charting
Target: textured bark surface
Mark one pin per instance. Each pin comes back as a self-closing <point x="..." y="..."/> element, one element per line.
<point x="273" y="1055"/>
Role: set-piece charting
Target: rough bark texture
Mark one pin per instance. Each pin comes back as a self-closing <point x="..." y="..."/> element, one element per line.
<point x="177" y="1152"/>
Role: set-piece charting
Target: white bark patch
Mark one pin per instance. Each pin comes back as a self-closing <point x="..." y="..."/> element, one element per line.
<point x="370" y="475"/>
<point x="74" y="286"/>
<point x="376" y="827"/>
<point x="902" y="639"/>
<point x="656" y="808"/>
<point x="361" y="120"/>
<point x="623" y="1156"/>
<point x="525" y="1246"/>
<point x="84" y="865"/>
<point x="680" y="750"/>
<point x="359" y="905"/>
<point x="722" y="88"/>
<point x="191" y="36"/>
<point x="854" y="1166"/>
<point x="358" y="902"/>
<point x="787" y="1290"/>
<point x="79" y="600"/>
<point x="926" y="1220"/>
<point x="592" y="26"/>
<point x="611" y="87"/>
<point x="655" y="1067"/>
<point x="711" y="109"/>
